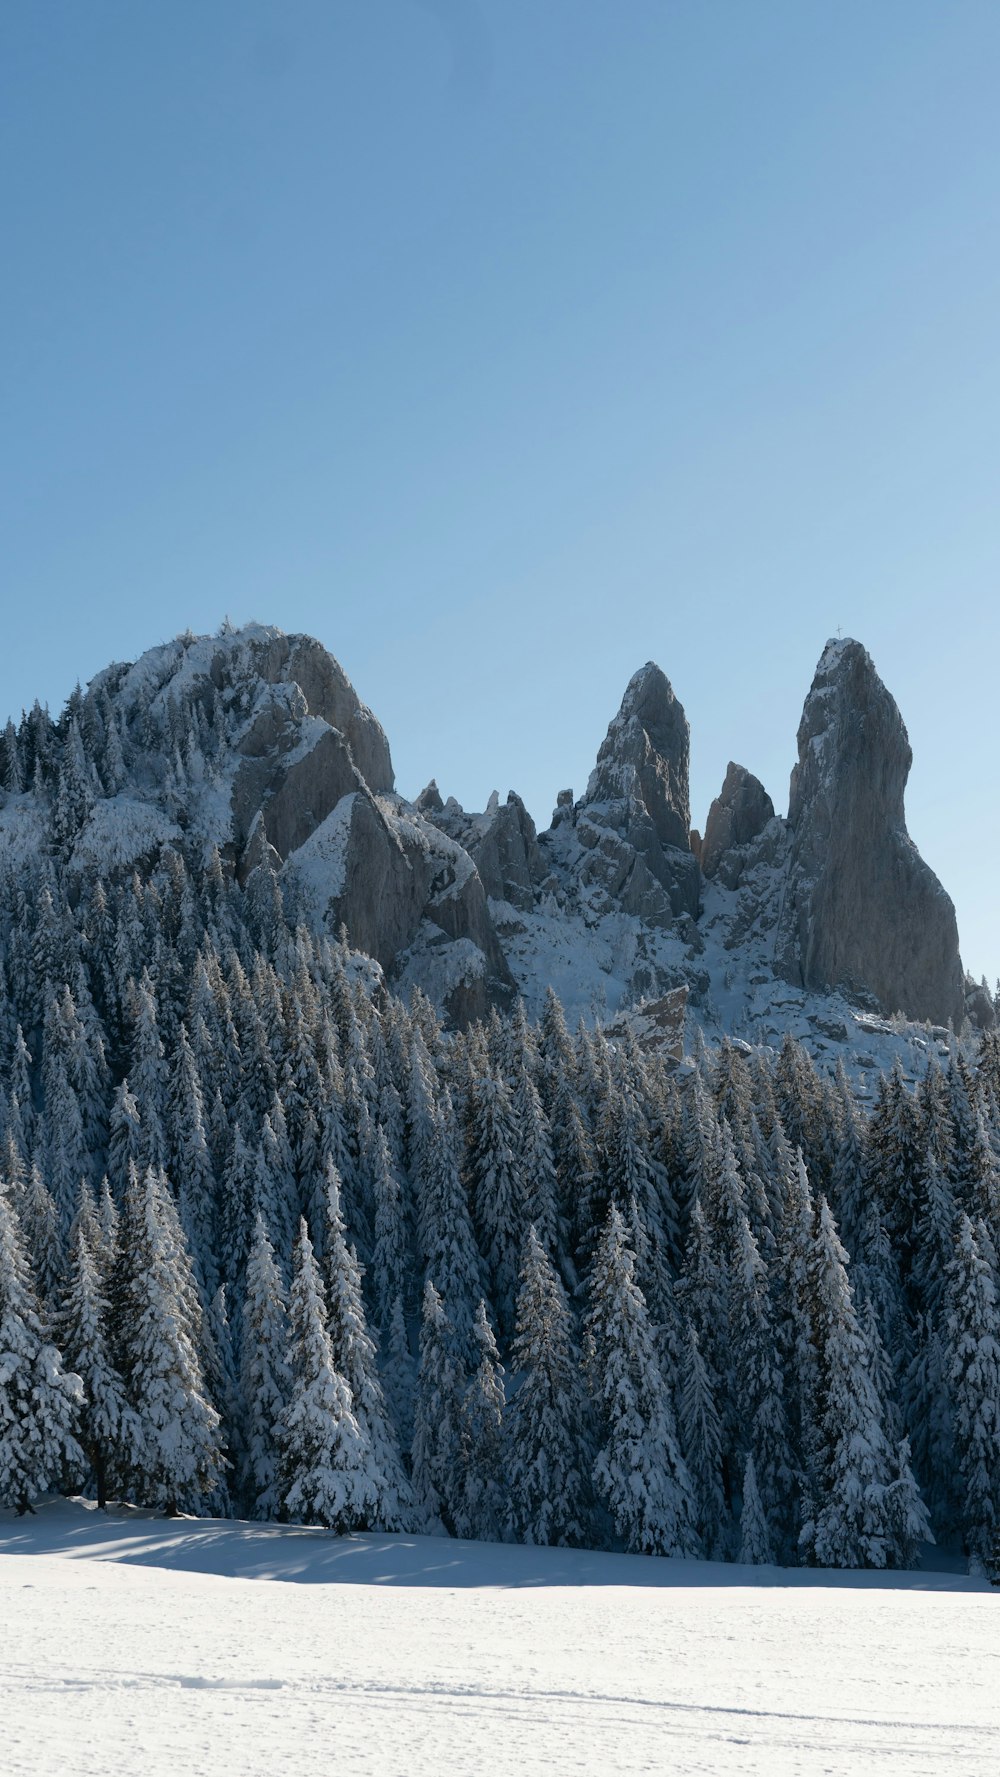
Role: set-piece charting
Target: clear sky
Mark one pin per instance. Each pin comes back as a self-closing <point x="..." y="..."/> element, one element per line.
<point x="507" y="344"/>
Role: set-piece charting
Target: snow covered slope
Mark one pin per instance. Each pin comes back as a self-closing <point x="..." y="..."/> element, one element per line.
<point x="135" y="1645"/>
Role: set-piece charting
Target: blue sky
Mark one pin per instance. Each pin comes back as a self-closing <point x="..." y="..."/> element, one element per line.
<point x="505" y="346"/>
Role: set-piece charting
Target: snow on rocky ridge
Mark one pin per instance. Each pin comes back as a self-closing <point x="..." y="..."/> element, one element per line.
<point x="827" y="923"/>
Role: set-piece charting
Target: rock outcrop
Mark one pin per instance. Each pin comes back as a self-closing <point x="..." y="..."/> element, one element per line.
<point x="634" y="821"/>
<point x="290" y="663"/>
<point x="352" y="851"/>
<point x="257" y="743"/>
<point x="737" y="817"/>
<point x="502" y="843"/>
<point x="861" y="909"/>
<point x="311" y="799"/>
<point x="507" y="855"/>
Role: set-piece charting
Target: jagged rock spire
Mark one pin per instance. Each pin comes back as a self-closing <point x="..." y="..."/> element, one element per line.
<point x="861" y="907"/>
<point x="635" y="818"/>
<point x="738" y="815"/>
<point x="645" y="757"/>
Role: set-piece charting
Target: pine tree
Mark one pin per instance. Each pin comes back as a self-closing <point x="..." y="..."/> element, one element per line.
<point x="237" y="1207"/>
<point x="148" y="1075"/>
<point x="389" y="1256"/>
<point x="558" y="1062"/>
<point x="218" y="1359"/>
<point x="894" y="1153"/>
<point x="190" y="1162"/>
<point x="483" y="1512"/>
<point x="970" y="1160"/>
<point x="75" y="790"/>
<point x="758" y="1383"/>
<point x="852" y="1464"/>
<point x="847" y="1182"/>
<point x="703" y="1296"/>
<point x="277" y="1151"/>
<point x="108" y="1224"/>
<point x="13" y="771"/>
<point x="800" y="1104"/>
<point x="109" y="1429"/>
<point x="972" y="1343"/>
<point x="577" y="1176"/>
<point x="41" y="1225"/>
<point x="630" y="1173"/>
<point x="265" y="1380"/>
<point x="639" y="1470"/>
<point x="159" y="1326"/>
<point x="324" y="1469"/>
<point x="534" y="1159"/>
<point x="354" y="1357"/>
<point x="497" y="1191"/>
<point x="75" y="1038"/>
<point x="398" y="1376"/>
<point x="701" y="1442"/>
<point x="929" y="1415"/>
<point x="909" y="1520"/>
<point x="794" y="1304"/>
<point x="755" y="1539"/>
<point x="446" y="1239"/>
<point x="125" y="1140"/>
<point x="39" y="1400"/>
<point x="937" y="1215"/>
<point x="437" y="1422"/>
<point x="20" y="1086"/>
<point x="545" y="1422"/>
<point x="66" y="1160"/>
<point x="420" y="1101"/>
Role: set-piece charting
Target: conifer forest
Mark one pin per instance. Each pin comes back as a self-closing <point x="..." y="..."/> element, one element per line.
<point x="276" y="1244"/>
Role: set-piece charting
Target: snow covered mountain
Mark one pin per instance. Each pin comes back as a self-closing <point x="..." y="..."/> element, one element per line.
<point x="254" y="745"/>
<point x="273" y="1239"/>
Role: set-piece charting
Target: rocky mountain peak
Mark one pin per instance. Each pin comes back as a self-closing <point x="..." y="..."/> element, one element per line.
<point x="634" y="821"/>
<point x="250" y="751"/>
<point x="851" y="729"/>
<point x="861" y="907"/>
<point x="645" y="757"/>
<point x="298" y="780"/>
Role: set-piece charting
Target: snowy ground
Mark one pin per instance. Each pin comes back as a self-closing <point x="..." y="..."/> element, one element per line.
<point x="136" y="1646"/>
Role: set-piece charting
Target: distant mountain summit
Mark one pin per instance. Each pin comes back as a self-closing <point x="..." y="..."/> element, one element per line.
<point x="253" y="748"/>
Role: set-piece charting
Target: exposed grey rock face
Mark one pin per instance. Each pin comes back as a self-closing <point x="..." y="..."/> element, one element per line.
<point x="979" y="1007"/>
<point x="312" y="799"/>
<point x="257" y="851"/>
<point x="501" y="842"/>
<point x="309" y="742"/>
<point x="635" y="818"/>
<point x="861" y="908"/>
<point x="409" y="889"/>
<point x="429" y="801"/>
<point x="298" y="663"/>
<point x="563" y="810"/>
<point x="739" y="813"/>
<point x="278" y="763"/>
<point x="507" y="856"/>
<point x="293" y="786"/>
<point x="645" y="756"/>
<point x="330" y="695"/>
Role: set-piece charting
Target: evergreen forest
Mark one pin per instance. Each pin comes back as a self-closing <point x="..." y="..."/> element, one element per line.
<point x="275" y="1243"/>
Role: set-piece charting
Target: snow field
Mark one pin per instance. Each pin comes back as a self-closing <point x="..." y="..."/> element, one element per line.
<point x="137" y="1646"/>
